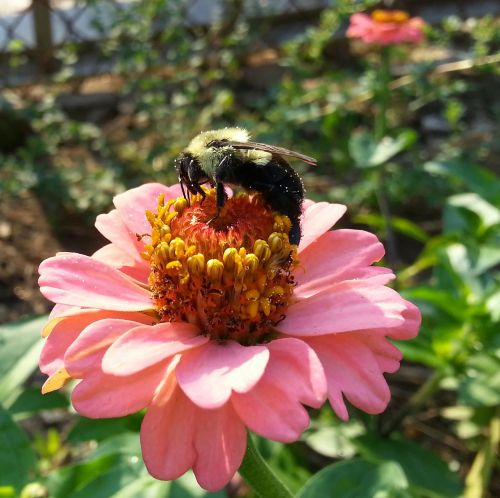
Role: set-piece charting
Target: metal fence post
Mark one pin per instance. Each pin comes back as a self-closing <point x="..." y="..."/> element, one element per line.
<point x="43" y="34"/>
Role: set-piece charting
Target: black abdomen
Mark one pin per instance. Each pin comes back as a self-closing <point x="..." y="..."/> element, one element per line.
<point x="280" y="186"/>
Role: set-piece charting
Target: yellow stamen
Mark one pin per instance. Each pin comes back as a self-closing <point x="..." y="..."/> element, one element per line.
<point x="215" y="268"/>
<point x="383" y="16"/>
<point x="231" y="275"/>
<point x="261" y="250"/>
<point x="196" y="264"/>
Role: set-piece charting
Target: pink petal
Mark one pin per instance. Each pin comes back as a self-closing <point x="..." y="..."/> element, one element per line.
<point x="220" y="442"/>
<point x="344" y="307"/>
<point x="104" y="396"/>
<point x="78" y="280"/>
<point x="273" y="408"/>
<point x="113" y="228"/>
<point x="335" y="256"/>
<point x="317" y="219"/>
<point x="111" y="255"/>
<point x="354" y="365"/>
<point x="63" y="331"/>
<point x="85" y="354"/>
<point x="144" y="346"/>
<point x="60" y="338"/>
<point x="167" y="433"/>
<point x="133" y="203"/>
<point x="408" y="329"/>
<point x="176" y="435"/>
<point x="114" y="256"/>
<point x="295" y="361"/>
<point x="62" y="310"/>
<point x="209" y="374"/>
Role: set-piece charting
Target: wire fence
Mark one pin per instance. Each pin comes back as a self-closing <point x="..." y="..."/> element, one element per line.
<point x="32" y="31"/>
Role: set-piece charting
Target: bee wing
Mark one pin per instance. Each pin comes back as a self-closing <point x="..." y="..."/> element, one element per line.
<point x="272" y="149"/>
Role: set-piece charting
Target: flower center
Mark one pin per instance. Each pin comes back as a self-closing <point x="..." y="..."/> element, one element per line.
<point x="385" y="16"/>
<point x="231" y="275"/>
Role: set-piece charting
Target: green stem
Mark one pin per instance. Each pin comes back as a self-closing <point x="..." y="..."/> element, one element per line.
<point x="259" y="476"/>
<point x="384" y="77"/>
<point x="478" y="478"/>
<point x="382" y="98"/>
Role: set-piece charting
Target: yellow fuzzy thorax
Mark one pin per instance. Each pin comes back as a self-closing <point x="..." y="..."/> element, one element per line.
<point x="210" y="157"/>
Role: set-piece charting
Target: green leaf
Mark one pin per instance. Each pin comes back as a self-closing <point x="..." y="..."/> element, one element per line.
<point x="116" y="470"/>
<point x="7" y="492"/>
<point x="285" y="460"/>
<point x="477" y="179"/>
<point x="335" y="441"/>
<point x="440" y="299"/>
<point x="481" y="385"/>
<point x="402" y="225"/>
<point x="20" y="346"/>
<point x="357" y="479"/>
<point x="493" y="305"/>
<point x="17" y="458"/>
<point x="367" y="153"/>
<point x="99" y="429"/>
<point x="32" y="400"/>
<point x="110" y="483"/>
<point x="427" y="474"/>
<point x="456" y="220"/>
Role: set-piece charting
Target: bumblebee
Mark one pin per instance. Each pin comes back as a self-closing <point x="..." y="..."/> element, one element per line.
<point x="228" y="157"/>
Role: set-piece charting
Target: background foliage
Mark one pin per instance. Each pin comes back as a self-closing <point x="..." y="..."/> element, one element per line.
<point x="61" y="164"/>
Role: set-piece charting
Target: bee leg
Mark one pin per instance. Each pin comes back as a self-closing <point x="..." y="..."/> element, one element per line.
<point x="196" y="189"/>
<point x="220" y="198"/>
<point x="183" y="190"/>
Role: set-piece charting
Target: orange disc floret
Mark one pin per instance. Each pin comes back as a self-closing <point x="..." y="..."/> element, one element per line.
<point x="230" y="274"/>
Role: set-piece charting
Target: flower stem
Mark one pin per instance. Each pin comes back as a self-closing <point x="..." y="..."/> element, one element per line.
<point x="383" y="93"/>
<point x="382" y="97"/>
<point x="259" y="475"/>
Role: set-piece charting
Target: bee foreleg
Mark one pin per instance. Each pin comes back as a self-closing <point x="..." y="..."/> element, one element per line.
<point x="183" y="190"/>
<point x="221" y="196"/>
<point x="220" y="200"/>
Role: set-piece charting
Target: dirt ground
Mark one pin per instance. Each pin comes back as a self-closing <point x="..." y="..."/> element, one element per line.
<point x="25" y="240"/>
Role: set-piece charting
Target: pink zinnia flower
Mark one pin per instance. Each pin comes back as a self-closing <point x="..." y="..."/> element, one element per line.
<point x="386" y="27"/>
<point x="220" y="327"/>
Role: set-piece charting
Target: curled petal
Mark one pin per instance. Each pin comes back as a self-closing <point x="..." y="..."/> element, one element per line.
<point x="344" y="307"/>
<point x="209" y="374"/>
<point x="273" y="408"/>
<point x="78" y="280"/>
<point x="144" y="346"/>
<point x="317" y="219"/>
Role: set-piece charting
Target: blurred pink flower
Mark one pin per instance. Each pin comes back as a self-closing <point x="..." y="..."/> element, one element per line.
<point x="386" y="27"/>
<point x="212" y="345"/>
